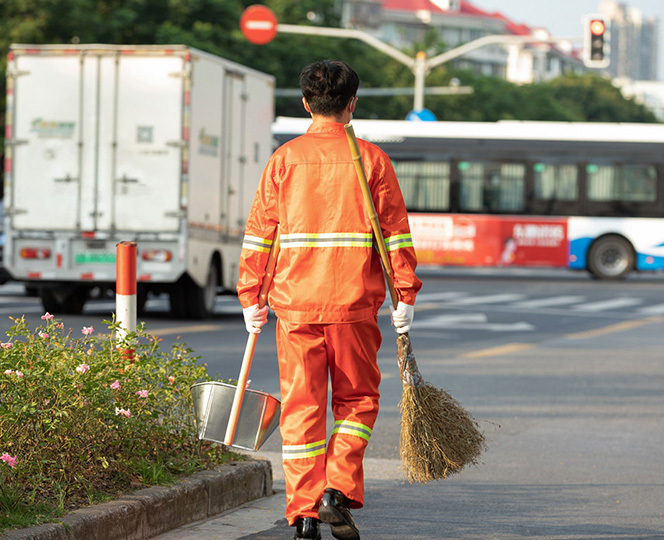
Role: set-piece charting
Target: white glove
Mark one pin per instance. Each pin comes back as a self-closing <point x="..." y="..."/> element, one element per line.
<point x="254" y="318"/>
<point x="402" y="317"/>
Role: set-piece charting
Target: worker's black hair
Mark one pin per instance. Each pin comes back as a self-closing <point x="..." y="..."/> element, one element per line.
<point x="328" y="86"/>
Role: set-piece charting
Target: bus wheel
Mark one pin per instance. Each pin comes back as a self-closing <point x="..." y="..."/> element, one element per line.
<point x="611" y="257"/>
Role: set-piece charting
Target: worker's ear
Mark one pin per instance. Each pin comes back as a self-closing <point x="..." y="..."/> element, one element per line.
<point x="306" y="105"/>
<point x="351" y="104"/>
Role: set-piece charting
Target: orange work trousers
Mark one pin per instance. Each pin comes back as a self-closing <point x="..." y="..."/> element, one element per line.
<point x="307" y="353"/>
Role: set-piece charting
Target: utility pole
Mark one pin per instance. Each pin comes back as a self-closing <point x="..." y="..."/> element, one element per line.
<point x="420" y="66"/>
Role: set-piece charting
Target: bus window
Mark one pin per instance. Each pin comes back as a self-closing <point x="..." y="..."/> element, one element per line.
<point x="492" y="187"/>
<point x="555" y="182"/>
<point x="471" y="186"/>
<point x="506" y="181"/>
<point x="637" y="183"/>
<point x="425" y="185"/>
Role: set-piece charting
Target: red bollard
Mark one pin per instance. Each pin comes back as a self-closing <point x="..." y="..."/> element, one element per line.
<point x="125" y="289"/>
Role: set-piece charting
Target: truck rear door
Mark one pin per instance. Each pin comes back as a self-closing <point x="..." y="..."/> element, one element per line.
<point x="145" y="143"/>
<point x="98" y="140"/>
<point x="49" y="140"/>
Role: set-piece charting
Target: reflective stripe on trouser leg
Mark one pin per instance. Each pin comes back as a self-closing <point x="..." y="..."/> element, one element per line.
<point x="303" y="375"/>
<point x="355" y="380"/>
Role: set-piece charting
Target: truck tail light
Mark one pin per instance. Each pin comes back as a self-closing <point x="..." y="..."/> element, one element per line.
<point x="35" y="253"/>
<point x="156" y="255"/>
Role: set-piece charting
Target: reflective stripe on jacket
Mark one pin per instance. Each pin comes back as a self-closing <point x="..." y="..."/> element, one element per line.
<point x="328" y="269"/>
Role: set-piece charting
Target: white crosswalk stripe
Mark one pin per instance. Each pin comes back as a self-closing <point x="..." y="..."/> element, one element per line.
<point x="550" y="301"/>
<point x="656" y="309"/>
<point x="433" y="297"/>
<point x="488" y="299"/>
<point x="606" y="305"/>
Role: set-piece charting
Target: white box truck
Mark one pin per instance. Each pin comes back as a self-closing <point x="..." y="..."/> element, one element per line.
<point x="161" y="145"/>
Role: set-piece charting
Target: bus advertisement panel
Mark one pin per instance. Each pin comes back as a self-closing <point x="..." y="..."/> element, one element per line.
<point x="481" y="240"/>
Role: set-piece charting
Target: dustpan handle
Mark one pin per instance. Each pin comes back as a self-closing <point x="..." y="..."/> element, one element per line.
<point x="251" y="346"/>
<point x="375" y="223"/>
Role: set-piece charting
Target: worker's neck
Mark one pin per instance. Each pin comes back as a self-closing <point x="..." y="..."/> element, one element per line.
<point x="343" y="118"/>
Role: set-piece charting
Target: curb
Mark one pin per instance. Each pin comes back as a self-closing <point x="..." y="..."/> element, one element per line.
<point x="150" y="512"/>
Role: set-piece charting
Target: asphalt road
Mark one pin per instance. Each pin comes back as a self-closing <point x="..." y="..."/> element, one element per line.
<point x="565" y="375"/>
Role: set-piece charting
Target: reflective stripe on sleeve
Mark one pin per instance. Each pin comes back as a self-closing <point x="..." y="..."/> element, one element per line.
<point x="352" y="428"/>
<point x="398" y="241"/>
<point x="256" y="244"/>
<point x="317" y="240"/>
<point x="299" y="451"/>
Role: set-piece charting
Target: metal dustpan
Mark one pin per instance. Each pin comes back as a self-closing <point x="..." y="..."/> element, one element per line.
<point x="235" y="415"/>
<point x="259" y="415"/>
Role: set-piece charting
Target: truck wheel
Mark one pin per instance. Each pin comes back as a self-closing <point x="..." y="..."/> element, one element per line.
<point x="611" y="257"/>
<point x="177" y="298"/>
<point x="75" y="300"/>
<point x="50" y="301"/>
<point x="66" y="300"/>
<point x="201" y="300"/>
<point x="141" y="300"/>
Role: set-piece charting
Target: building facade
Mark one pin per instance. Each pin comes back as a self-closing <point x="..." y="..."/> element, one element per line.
<point x="407" y="23"/>
<point x="633" y="41"/>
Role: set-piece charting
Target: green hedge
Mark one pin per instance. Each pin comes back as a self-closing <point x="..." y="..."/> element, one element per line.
<point x="84" y="417"/>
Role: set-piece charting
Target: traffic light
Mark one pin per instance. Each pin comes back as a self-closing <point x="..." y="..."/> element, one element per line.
<point x="596" y="42"/>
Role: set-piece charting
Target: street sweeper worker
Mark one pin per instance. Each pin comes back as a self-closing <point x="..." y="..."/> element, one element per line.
<point x="327" y="289"/>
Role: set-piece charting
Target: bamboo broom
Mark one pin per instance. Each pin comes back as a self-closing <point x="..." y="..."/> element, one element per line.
<point x="438" y="436"/>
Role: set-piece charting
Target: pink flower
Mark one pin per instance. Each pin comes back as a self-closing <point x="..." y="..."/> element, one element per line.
<point x="142" y="393"/>
<point x="115" y="385"/>
<point x="123" y="412"/>
<point x="9" y="460"/>
<point x="9" y="371"/>
<point x="171" y="379"/>
<point x="43" y="334"/>
<point x="87" y="330"/>
<point x="83" y="368"/>
<point x="6" y="345"/>
<point x="60" y="326"/>
<point x="19" y="374"/>
<point x="47" y="316"/>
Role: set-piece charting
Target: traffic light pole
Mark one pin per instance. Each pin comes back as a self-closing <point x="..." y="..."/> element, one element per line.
<point x="420" y="65"/>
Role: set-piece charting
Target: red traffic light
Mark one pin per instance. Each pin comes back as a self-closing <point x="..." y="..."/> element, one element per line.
<point x="597" y="27"/>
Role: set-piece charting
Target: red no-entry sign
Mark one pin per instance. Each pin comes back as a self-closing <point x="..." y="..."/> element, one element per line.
<point x="258" y="24"/>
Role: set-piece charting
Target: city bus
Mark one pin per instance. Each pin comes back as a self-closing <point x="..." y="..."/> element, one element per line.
<point x="585" y="196"/>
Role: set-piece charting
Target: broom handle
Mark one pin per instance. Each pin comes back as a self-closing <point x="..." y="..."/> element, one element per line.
<point x="251" y="346"/>
<point x="368" y="201"/>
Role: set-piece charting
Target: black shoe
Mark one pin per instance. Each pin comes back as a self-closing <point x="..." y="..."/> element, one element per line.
<point x="307" y="528"/>
<point x="334" y="511"/>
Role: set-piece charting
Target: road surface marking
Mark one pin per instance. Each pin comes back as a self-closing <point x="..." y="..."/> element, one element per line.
<point x="185" y="329"/>
<point x="549" y="301"/>
<point x="609" y="304"/>
<point x="429" y="297"/>
<point x="501" y="350"/>
<point x="619" y="327"/>
<point x="656" y="309"/>
<point x="470" y="321"/>
<point x="489" y="299"/>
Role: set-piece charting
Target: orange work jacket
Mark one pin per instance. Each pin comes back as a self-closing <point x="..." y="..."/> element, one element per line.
<point x="328" y="270"/>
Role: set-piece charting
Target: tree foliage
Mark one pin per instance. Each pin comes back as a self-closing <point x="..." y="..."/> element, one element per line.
<point x="213" y="26"/>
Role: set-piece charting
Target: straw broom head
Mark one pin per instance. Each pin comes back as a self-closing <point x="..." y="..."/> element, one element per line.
<point x="438" y="436"/>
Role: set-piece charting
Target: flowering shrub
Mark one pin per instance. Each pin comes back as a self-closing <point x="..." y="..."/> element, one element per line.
<point x="82" y="415"/>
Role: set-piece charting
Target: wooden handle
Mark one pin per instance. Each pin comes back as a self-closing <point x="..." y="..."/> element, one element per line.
<point x="368" y="201"/>
<point x="251" y="346"/>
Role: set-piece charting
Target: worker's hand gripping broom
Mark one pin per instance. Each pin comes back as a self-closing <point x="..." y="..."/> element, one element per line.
<point x="251" y="345"/>
<point x="438" y="436"/>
